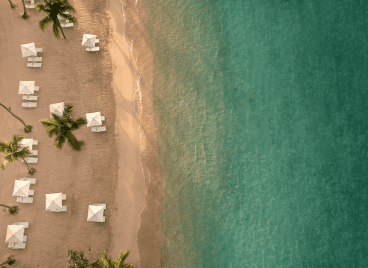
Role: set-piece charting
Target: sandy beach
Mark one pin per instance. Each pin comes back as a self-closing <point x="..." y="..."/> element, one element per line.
<point x="119" y="168"/>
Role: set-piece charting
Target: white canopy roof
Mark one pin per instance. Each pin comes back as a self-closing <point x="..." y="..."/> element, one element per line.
<point x="93" y="119"/>
<point x="26" y="142"/>
<point x="89" y="40"/>
<point x="28" y="50"/>
<point x="15" y="234"/>
<point x="57" y="108"/>
<point x="21" y="188"/>
<point x="95" y="213"/>
<point x="26" y="87"/>
<point x="54" y="201"/>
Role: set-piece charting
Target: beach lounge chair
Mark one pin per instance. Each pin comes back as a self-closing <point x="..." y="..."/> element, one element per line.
<point x="32" y="180"/>
<point x="36" y="88"/>
<point x="25" y="200"/>
<point x="20" y="246"/>
<point x="29" y="104"/>
<point x="31" y="192"/>
<point x="30" y="98"/>
<point x="34" y="64"/>
<point x="63" y="197"/>
<point x="31" y="160"/>
<point x="32" y="6"/>
<point x="67" y="25"/>
<point x="24" y="238"/>
<point x="63" y="209"/>
<point x="35" y="59"/>
<point x="92" y="49"/>
<point x="34" y="152"/>
<point x="97" y="41"/>
<point x="26" y="224"/>
<point x="35" y="142"/>
<point x="99" y="129"/>
<point x="102" y="118"/>
<point x="38" y="50"/>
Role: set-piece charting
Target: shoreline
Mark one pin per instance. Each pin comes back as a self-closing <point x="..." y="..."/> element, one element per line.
<point x="135" y="35"/>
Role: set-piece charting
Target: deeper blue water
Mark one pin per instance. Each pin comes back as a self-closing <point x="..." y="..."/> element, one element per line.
<point x="261" y="111"/>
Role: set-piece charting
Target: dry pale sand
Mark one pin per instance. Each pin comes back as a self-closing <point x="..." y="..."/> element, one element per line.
<point x="108" y="169"/>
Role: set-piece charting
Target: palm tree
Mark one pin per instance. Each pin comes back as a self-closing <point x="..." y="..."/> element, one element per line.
<point x="10" y="261"/>
<point x="12" y="6"/>
<point x="14" y="152"/>
<point x="118" y="263"/>
<point x="62" y="127"/>
<point x="12" y="210"/>
<point x="27" y="129"/>
<point x="55" y="8"/>
<point x="25" y="15"/>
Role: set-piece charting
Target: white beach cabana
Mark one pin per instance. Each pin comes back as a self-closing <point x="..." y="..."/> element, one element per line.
<point x="54" y="202"/>
<point x="57" y="108"/>
<point x="94" y="119"/>
<point x="89" y="40"/>
<point x="28" y="50"/>
<point x="95" y="213"/>
<point x="26" y="87"/>
<point x="21" y="188"/>
<point x="15" y="235"/>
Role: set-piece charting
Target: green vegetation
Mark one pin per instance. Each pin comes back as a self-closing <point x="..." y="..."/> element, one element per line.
<point x="10" y="261"/>
<point x="27" y="129"/>
<point x="25" y="15"/>
<point x="13" y="151"/>
<point x="62" y="127"/>
<point x="12" y="210"/>
<point x="55" y="8"/>
<point x="119" y="262"/>
<point x="12" y="6"/>
<point x="77" y="260"/>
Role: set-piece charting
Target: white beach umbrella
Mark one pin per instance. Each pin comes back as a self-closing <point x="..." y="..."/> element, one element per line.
<point x="89" y="40"/>
<point x="57" y="108"/>
<point x="15" y="234"/>
<point x="21" y="188"/>
<point x="26" y="142"/>
<point x="54" y="201"/>
<point x="95" y="213"/>
<point x="28" y="50"/>
<point x="94" y="119"/>
<point x="26" y="87"/>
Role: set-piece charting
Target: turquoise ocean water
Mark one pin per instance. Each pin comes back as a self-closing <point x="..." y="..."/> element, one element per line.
<point x="262" y="126"/>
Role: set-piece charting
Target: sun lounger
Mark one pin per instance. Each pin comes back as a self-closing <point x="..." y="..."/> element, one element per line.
<point x="24" y="238"/>
<point x="102" y="118"/>
<point x="26" y="224"/>
<point x="35" y="142"/>
<point x="29" y="104"/>
<point x="31" y="192"/>
<point x="19" y="199"/>
<point x="31" y="160"/>
<point x="30" y="98"/>
<point x="99" y="129"/>
<point x="20" y="246"/>
<point x="92" y="49"/>
<point x="27" y="200"/>
<point x="34" y="64"/>
<point x="36" y="88"/>
<point x="67" y="25"/>
<point x="32" y="180"/>
<point x="32" y="6"/>
<point x="63" y="197"/>
<point x="35" y="59"/>
<point x="63" y="208"/>
<point x="38" y="50"/>
<point x="34" y="152"/>
<point x="97" y="41"/>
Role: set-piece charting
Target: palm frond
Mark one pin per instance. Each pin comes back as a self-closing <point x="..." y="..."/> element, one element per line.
<point x="52" y="129"/>
<point x="107" y="262"/>
<point x="43" y="8"/>
<point x="60" y="140"/>
<point x="5" y="147"/>
<point x="73" y="142"/>
<point x="122" y="256"/>
<point x="55" y="29"/>
<point x="10" y="158"/>
<point x="45" y="22"/>
<point x="75" y="124"/>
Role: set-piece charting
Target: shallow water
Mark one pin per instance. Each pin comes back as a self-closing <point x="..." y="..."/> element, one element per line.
<point x="261" y="112"/>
